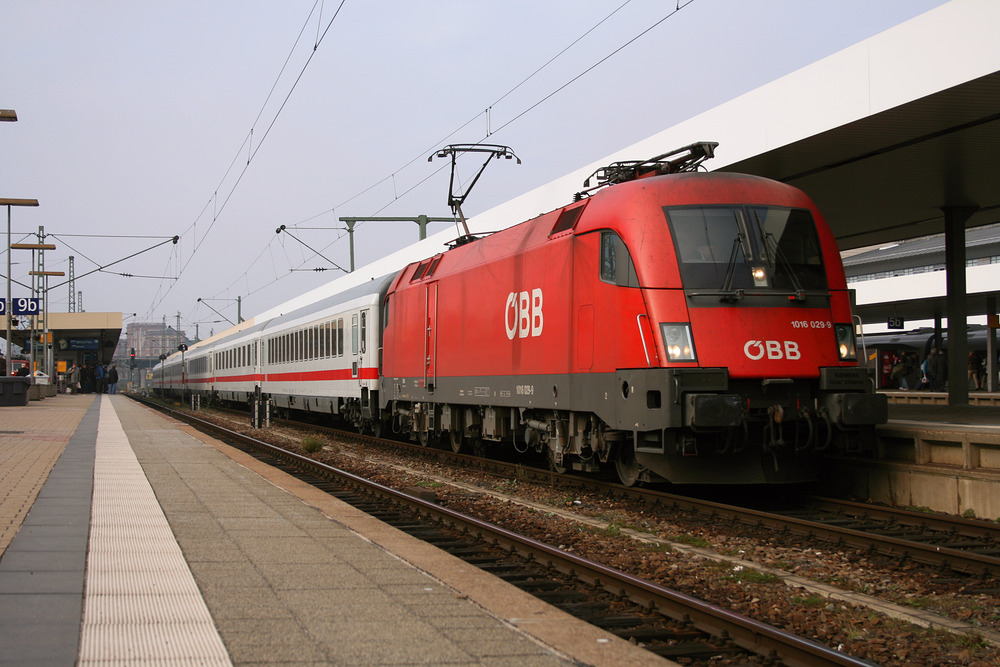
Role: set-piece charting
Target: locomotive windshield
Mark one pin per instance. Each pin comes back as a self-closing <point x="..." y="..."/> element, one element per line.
<point x="747" y="248"/>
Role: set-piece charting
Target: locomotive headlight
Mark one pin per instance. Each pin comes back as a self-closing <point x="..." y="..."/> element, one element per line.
<point x="678" y="341"/>
<point x="846" y="346"/>
<point x="759" y="276"/>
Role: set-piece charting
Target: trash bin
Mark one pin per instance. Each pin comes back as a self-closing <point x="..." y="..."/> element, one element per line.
<point x="14" y="390"/>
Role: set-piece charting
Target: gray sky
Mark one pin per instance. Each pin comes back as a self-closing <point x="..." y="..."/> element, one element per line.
<point x="147" y="119"/>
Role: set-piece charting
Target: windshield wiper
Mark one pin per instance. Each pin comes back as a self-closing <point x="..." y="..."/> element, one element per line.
<point x="769" y="242"/>
<point x="728" y="294"/>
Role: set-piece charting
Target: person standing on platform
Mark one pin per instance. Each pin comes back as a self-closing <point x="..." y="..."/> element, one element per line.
<point x="940" y="363"/>
<point x="930" y="367"/>
<point x="99" y="378"/>
<point x="74" y="379"/>
<point x="112" y="379"/>
<point x="975" y="364"/>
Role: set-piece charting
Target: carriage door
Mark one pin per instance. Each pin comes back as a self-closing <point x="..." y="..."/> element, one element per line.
<point x="430" y="335"/>
<point x="359" y="344"/>
<point x="361" y="348"/>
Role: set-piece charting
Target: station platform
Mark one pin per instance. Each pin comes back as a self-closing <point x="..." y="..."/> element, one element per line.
<point x="130" y="539"/>
<point x="930" y="455"/>
<point x="933" y="407"/>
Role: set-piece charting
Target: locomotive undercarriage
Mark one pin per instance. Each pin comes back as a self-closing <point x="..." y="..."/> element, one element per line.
<point x="696" y="427"/>
<point x="568" y="440"/>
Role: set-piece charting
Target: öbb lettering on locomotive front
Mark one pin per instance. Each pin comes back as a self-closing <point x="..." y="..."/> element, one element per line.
<point x="523" y="314"/>
<point x="772" y="349"/>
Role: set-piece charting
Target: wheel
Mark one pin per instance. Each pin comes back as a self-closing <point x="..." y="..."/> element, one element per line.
<point x="558" y="468"/>
<point x="377" y="428"/>
<point x="423" y="437"/>
<point x="455" y="437"/>
<point x="626" y="465"/>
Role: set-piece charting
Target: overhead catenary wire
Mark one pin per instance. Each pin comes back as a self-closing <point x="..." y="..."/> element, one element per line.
<point x="217" y="209"/>
<point x="489" y="113"/>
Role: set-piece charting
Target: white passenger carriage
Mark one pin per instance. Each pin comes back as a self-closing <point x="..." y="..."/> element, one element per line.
<point x="322" y="357"/>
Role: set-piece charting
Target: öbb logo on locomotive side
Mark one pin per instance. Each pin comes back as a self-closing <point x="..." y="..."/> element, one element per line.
<point x="773" y="349"/>
<point x="523" y="314"/>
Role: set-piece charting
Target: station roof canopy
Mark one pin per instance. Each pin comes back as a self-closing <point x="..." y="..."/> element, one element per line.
<point x="924" y="308"/>
<point x="98" y="332"/>
<point x="882" y="134"/>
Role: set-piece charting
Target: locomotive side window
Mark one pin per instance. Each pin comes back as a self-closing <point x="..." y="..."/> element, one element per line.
<point x="616" y="262"/>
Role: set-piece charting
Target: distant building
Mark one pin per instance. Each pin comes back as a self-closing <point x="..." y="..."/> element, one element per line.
<point x="149" y="341"/>
<point x="920" y="255"/>
<point x="915" y="269"/>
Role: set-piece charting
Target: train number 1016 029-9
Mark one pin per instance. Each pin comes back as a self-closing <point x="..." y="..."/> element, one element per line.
<point x="812" y="324"/>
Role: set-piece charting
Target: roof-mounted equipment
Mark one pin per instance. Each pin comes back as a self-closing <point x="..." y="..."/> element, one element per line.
<point x="688" y="158"/>
<point x="455" y="200"/>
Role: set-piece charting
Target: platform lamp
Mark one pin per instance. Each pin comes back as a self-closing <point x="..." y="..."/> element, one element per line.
<point x="34" y="277"/>
<point x="46" y="334"/>
<point x="9" y="203"/>
<point x="34" y="274"/>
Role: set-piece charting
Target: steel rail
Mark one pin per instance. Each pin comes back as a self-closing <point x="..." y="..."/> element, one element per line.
<point x="747" y="633"/>
<point x="967" y="562"/>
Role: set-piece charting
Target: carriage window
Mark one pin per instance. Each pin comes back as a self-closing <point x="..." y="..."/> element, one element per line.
<point x="364" y="330"/>
<point x="340" y="337"/>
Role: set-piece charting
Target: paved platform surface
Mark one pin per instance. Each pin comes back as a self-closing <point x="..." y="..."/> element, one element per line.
<point x="270" y="571"/>
<point x="957" y="415"/>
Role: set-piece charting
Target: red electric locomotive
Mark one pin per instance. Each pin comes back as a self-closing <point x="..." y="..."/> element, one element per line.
<point x="679" y="325"/>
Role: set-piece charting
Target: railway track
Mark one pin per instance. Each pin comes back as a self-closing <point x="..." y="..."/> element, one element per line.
<point x="966" y="546"/>
<point x="666" y="622"/>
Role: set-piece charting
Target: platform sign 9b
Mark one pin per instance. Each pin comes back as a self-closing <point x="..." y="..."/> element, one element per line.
<point x="27" y="306"/>
<point x="22" y="306"/>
